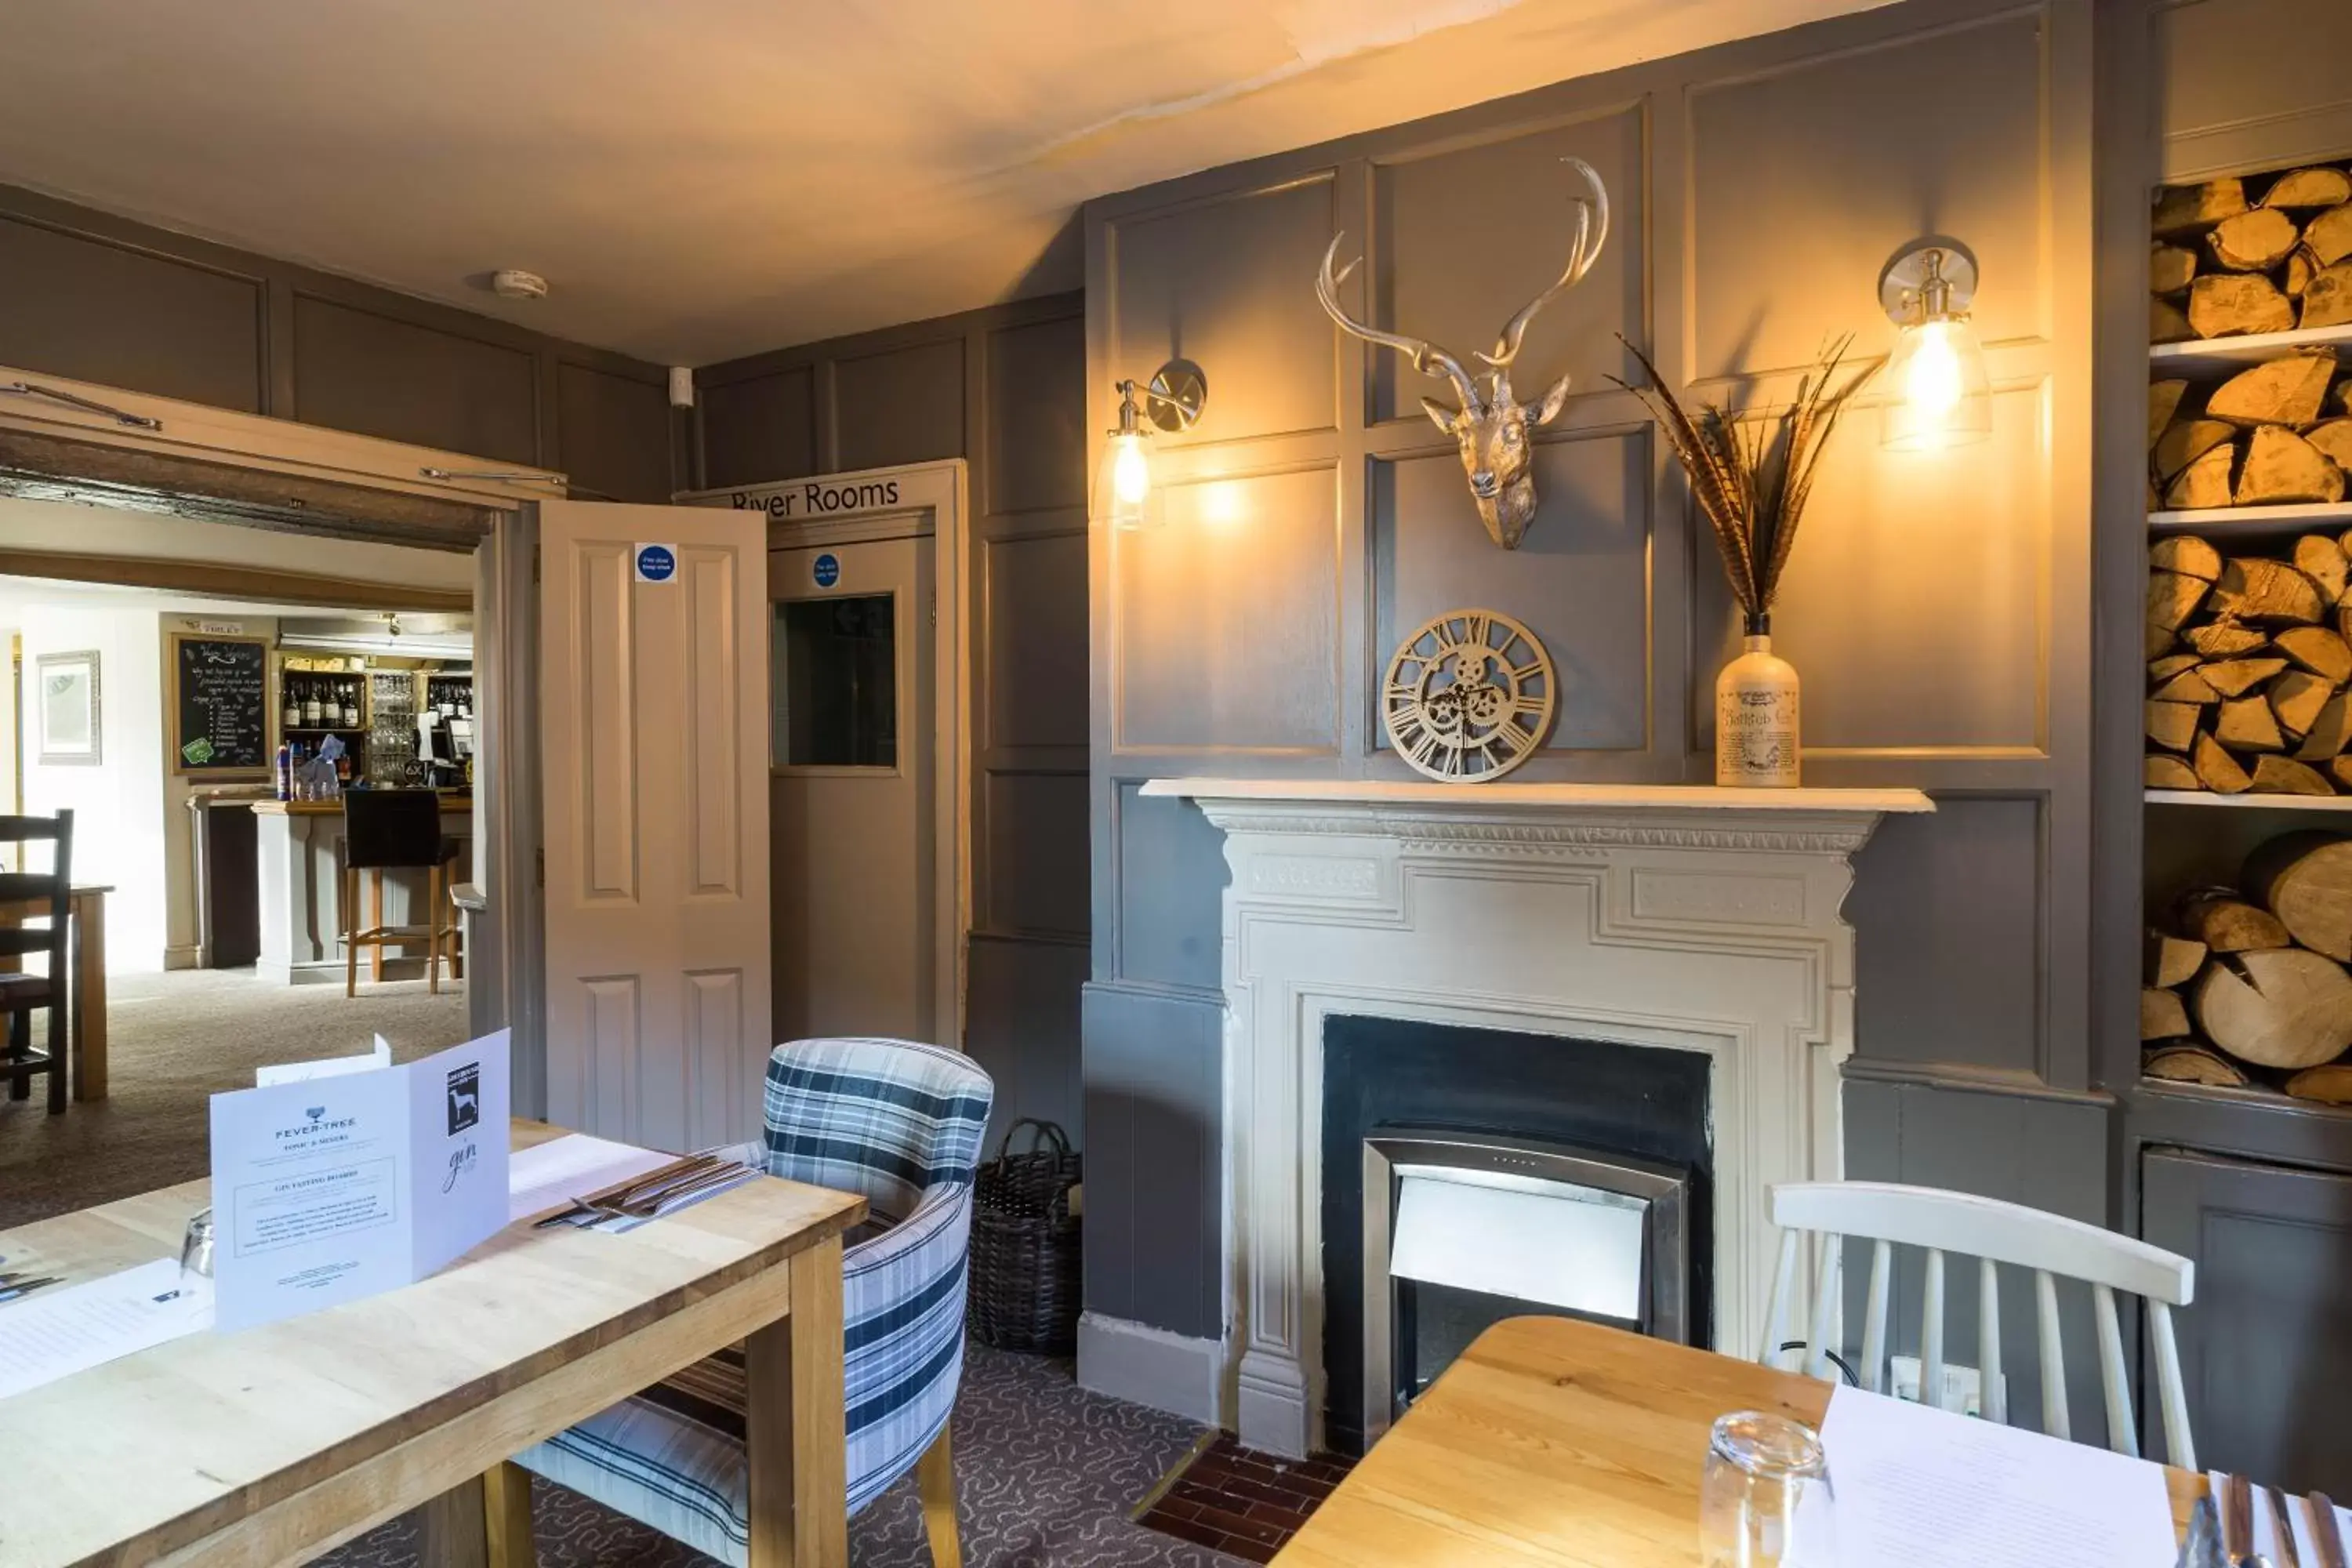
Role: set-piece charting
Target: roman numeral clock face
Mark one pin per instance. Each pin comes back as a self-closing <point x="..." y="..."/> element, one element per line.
<point x="1469" y="697"/>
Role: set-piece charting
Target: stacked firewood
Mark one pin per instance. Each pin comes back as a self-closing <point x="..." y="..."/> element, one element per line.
<point x="2227" y="262"/>
<point x="2270" y="434"/>
<point x="2247" y="986"/>
<point x="2249" y="656"/>
<point x="2223" y="267"/>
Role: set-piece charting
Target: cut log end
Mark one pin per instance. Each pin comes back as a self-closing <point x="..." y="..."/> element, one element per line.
<point x="2171" y="959"/>
<point x="2225" y="924"/>
<point x="2288" y="391"/>
<point x="2282" y="1008"/>
<point x="2193" y="1064"/>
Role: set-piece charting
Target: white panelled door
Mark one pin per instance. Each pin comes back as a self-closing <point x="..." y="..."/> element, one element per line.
<point x="653" y="697"/>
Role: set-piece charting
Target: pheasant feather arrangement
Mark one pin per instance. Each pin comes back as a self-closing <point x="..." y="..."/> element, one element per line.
<point x="1752" y="475"/>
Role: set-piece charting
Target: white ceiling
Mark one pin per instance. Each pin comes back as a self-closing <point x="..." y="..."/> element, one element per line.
<point x="701" y="179"/>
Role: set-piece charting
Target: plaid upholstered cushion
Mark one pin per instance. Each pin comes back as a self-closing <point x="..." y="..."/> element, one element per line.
<point x="901" y="1123"/>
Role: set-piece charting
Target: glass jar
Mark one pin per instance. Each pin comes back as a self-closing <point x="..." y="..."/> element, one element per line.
<point x="1765" y="1499"/>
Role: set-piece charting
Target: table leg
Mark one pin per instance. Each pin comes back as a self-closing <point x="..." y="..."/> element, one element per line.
<point x="452" y="1531"/>
<point x="794" y="1426"/>
<point x="89" y="996"/>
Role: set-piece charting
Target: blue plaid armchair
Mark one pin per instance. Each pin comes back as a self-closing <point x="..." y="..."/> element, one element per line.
<point x="901" y="1123"/>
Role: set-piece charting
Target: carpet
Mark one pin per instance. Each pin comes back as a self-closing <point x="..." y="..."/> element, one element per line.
<point x="172" y="1041"/>
<point x="1045" y="1475"/>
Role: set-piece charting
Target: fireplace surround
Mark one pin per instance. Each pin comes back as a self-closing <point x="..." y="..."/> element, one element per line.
<point x="1671" y="918"/>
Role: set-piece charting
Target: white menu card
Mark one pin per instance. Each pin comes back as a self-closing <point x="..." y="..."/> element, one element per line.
<point x="329" y="1188"/>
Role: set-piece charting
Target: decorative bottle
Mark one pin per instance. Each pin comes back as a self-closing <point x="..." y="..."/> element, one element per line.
<point x="1756" y="728"/>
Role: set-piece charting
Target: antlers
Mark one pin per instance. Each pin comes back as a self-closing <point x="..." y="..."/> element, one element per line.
<point x="1430" y="360"/>
<point x="1580" y="262"/>
<point x="1427" y="357"/>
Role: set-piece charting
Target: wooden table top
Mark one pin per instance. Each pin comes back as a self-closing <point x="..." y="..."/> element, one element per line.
<point x="1551" y="1441"/>
<point x="216" y="1428"/>
<point x="456" y="805"/>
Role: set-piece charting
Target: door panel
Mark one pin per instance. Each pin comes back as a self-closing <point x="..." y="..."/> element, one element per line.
<point x="2262" y="1349"/>
<point x="653" y="719"/>
<point x="851" y="789"/>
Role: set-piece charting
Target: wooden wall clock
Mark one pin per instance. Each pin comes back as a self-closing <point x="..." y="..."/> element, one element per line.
<point x="1468" y="697"/>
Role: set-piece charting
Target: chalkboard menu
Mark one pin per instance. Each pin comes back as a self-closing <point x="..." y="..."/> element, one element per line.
<point x="220" y="705"/>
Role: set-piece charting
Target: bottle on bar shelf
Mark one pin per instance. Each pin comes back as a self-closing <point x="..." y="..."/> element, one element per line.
<point x="312" y="713"/>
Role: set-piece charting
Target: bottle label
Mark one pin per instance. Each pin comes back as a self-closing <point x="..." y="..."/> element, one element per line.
<point x="1756" y="736"/>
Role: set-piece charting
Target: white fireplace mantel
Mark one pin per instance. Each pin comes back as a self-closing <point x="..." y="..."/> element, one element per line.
<point x="1675" y="917"/>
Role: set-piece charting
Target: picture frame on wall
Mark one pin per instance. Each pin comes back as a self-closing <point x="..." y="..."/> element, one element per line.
<point x="68" y="689"/>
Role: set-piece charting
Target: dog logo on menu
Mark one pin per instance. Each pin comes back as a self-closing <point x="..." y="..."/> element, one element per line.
<point x="465" y="1097"/>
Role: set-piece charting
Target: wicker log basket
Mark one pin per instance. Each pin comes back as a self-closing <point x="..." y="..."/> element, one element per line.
<point x="1025" y="1244"/>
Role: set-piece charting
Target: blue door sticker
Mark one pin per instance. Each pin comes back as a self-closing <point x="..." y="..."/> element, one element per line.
<point x="827" y="569"/>
<point x="656" y="562"/>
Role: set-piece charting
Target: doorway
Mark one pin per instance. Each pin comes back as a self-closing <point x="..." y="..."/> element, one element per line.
<point x="850" y="782"/>
<point x="207" y="928"/>
<point x="869" y="599"/>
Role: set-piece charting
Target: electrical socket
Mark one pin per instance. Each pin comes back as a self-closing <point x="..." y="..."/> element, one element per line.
<point x="1963" y="1385"/>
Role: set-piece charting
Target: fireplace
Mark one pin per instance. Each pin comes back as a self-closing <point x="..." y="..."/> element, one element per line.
<point x="1438" y="1141"/>
<point x="1696" y="927"/>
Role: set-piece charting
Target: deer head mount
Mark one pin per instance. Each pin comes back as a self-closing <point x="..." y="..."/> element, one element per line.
<point x="1492" y="427"/>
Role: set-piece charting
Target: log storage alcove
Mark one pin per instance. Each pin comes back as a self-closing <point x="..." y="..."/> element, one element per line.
<point x="2248" y="987"/>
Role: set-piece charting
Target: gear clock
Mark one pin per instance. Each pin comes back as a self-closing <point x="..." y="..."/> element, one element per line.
<point x="1469" y="697"/>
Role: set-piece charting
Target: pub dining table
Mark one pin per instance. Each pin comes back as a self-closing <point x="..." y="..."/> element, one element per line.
<point x="1556" y="1444"/>
<point x="85" y="987"/>
<point x="277" y="1443"/>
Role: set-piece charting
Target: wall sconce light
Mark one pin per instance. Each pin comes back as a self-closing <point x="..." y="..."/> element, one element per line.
<point x="1939" y="394"/>
<point x="1128" y="494"/>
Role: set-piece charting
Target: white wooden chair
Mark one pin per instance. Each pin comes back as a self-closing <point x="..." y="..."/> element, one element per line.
<point x="1993" y="1232"/>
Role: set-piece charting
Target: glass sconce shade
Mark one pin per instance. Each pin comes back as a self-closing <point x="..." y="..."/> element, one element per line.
<point x="1938" y="392"/>
<point x="1125" y="494"/>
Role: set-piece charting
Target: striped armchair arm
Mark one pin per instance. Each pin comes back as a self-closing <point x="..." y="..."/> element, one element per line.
<point x="902" y="1316"/>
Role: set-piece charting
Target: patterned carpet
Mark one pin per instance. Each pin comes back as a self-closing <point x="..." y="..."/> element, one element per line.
<point x="1046" y="1474"/>
<point x="173" y="1041"/>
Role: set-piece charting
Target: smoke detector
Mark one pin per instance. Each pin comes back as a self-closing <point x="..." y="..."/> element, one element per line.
<point x="513" y="283"/>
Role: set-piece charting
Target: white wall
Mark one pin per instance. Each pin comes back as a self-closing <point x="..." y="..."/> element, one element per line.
<point x="119" y="804"/>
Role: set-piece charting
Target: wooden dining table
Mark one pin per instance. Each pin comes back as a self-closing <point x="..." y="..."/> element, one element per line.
<point x="1556" y="1444"/>
<point x="277" y="1443"/>
<point x="85" y="987"/>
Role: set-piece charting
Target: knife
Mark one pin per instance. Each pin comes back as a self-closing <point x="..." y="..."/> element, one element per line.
<point x="2202" y="1547"/>
<point x="2289" y="1553"/>
<point x="2326" y="1531"/>
<point x="636" y="1186"/>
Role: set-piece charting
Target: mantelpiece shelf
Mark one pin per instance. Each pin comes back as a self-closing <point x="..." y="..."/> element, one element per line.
<point x="2250" y="801"/>
<point x="2221" y="521"/>
<point x="2217" y="357"/>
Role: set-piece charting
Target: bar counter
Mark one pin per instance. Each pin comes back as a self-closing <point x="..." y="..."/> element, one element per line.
<point x="300" y="847"/>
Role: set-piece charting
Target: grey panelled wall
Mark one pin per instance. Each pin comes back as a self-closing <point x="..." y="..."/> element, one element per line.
<point x="1936" y="605"/>
<point x="1004" y="389"/>
<point x="97" y="298"/>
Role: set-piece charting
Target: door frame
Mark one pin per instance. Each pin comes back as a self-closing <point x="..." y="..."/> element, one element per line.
<point x="873" y="504"/>
<point x="134" y="451"/>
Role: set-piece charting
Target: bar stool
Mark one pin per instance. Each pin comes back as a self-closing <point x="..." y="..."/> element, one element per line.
<point x="394" y="830"/>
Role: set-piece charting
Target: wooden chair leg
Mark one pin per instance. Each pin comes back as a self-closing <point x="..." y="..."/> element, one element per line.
<point x="506" y="1507"/>
<point x="351" y="932"/>
<point x="935" y="1479"/>
<point x="20" y="1043"/>
<point x="375" y="923"/>
<point x="433" y="930"/>
<point x="59" y="1051"/>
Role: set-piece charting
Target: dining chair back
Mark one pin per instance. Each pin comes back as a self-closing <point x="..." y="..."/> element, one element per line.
<point x="1994" y="1233"/>
<point x="34" y="895"/>
<point x="900" y="1123"/>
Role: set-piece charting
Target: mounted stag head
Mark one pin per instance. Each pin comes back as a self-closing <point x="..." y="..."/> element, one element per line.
<point x="1493" y="428"/>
